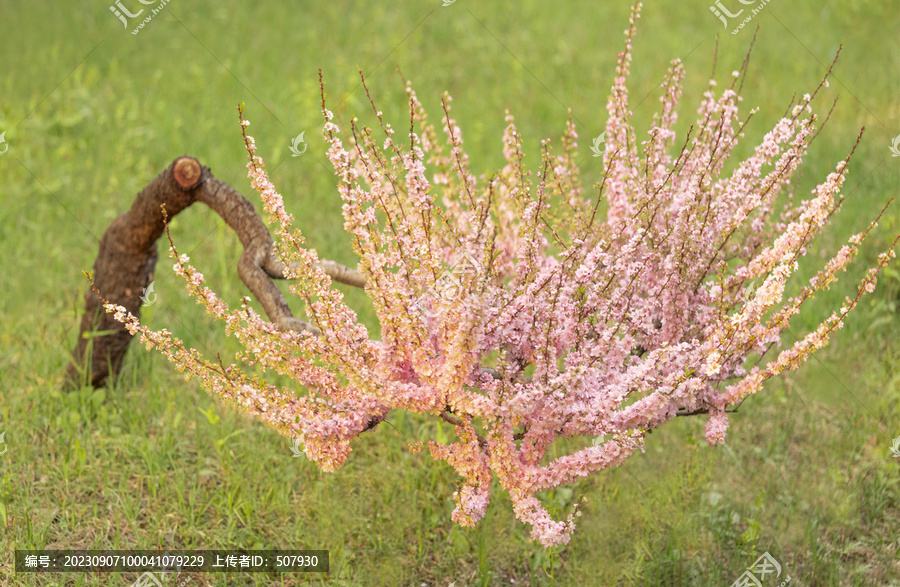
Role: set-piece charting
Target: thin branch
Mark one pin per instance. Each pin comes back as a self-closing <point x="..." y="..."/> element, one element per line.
<point x="446" y="416"/>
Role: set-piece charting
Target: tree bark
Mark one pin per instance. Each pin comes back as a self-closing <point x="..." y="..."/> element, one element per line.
<point x="127" y="259"/>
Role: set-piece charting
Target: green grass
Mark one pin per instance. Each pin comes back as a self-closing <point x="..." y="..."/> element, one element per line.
<point x="92" y="113"/>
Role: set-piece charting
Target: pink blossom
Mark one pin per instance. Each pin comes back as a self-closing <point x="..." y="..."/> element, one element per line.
<point x="557" y="322"/>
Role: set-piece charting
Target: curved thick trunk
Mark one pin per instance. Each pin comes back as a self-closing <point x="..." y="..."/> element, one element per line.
<point x="127" y="259"/>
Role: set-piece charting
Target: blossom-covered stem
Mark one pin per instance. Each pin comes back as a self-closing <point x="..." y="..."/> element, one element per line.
<point x="510" y="308"/>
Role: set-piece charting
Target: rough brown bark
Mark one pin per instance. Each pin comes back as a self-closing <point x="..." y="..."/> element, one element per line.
<point x="127" y="260"/>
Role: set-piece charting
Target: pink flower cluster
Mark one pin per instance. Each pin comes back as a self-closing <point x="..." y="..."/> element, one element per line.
<point x="562" y="324"/>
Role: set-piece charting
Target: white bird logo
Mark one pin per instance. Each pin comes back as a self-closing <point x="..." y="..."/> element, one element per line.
<point x="3" y="142"/>
<point x="298" y="140"/>
<point x="148" y="296"/>
<point x="448" y="2"/>
<point x="598" y="142"/>
<point x="747" y="294"/>
<point x="295" y="448"/>
<point x="895" y="448"/>
<point x="2" y="434"/>
<point x="895" y="146"/>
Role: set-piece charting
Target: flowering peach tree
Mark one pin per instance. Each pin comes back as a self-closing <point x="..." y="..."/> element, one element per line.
<point x="512" y="308"/>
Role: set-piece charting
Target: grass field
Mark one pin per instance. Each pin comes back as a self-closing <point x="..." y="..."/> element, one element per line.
<point x="91" y="113"/>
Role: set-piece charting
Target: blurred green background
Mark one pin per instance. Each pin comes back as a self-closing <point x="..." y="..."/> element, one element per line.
<point x="91" y="113"/>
